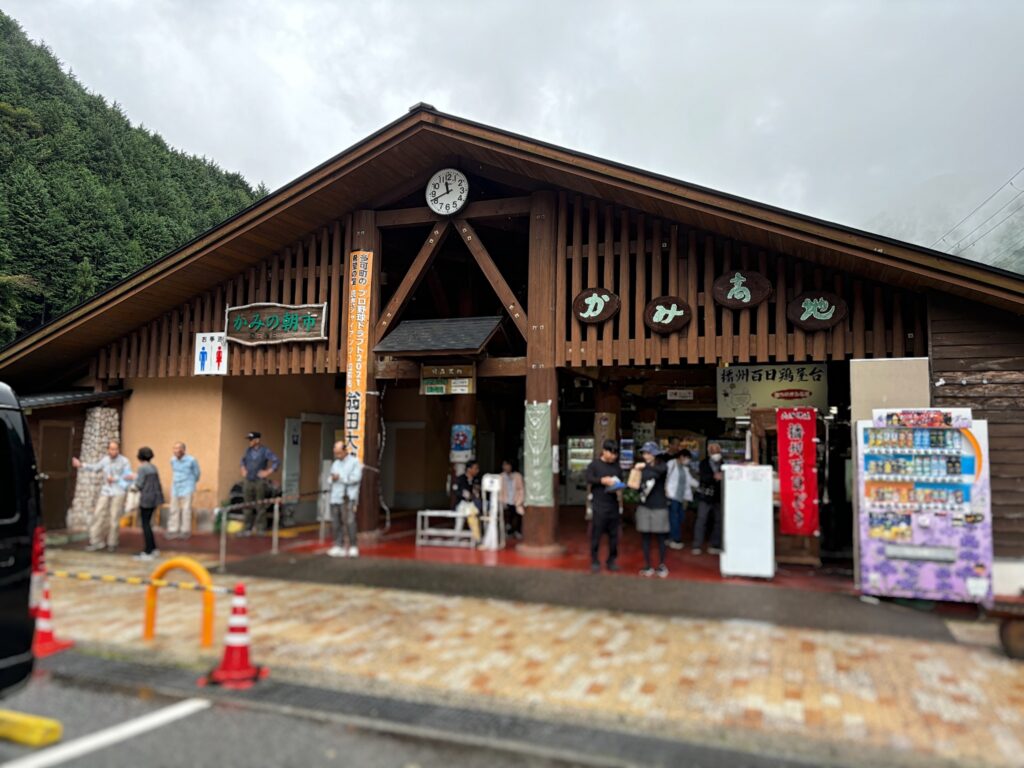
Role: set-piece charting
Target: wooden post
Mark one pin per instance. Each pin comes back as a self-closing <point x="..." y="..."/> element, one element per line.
<point x="540" y="525"/>
<point x="366" y="237"/>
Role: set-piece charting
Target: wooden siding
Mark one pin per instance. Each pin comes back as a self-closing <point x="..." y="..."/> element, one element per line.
<point x="311" y="270"/>
<point x="638" y="258"/>
<point x="978" y="352"/>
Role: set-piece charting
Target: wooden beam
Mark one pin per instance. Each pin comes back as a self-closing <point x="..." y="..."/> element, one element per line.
<point x="413" y="278"/>
<point x="488" y="368"/>
<point x="484" y="209"/>
<point x="493" y="275"/>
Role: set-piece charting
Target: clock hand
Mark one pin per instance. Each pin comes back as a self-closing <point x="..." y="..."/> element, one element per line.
<point x="438" y="197"/>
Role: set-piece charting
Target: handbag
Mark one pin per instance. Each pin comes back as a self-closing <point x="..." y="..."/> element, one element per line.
<point x="635" y="478"/>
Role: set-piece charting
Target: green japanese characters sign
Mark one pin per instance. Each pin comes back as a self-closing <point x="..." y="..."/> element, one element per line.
<point x="266" y="323"/>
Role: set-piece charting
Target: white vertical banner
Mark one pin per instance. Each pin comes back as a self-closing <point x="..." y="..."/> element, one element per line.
<point x="211" y="355"/>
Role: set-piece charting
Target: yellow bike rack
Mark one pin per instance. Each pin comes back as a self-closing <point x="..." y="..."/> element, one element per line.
<point x="202" y="577"/>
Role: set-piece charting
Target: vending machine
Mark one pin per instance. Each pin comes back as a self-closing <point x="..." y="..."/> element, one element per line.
<point x="925" y="520"/>
<point x="579" y="454"/>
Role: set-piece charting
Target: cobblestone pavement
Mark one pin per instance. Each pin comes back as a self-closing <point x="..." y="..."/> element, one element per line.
<point x="858" y="699"/>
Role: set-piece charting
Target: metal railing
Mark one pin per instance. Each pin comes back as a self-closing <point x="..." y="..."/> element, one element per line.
<point x="222" y="514"/>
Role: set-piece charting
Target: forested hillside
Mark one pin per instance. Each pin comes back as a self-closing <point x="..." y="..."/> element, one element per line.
<point x="85" y="197"/>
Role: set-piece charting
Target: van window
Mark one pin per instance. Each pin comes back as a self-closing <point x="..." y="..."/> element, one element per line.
<point x="14" y="489"/>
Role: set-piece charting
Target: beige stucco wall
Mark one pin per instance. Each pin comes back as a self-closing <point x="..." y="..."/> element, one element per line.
<point x="900" y="382"/>
<point x="261" y="404"/>
<point x="162" y="411"/>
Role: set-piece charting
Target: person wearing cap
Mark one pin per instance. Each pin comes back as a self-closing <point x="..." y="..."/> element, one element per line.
<point x="604" y="476"/>
<point x="258" y="463"/>
<point x="652" y="512"/>
<point x="709" y="501"/>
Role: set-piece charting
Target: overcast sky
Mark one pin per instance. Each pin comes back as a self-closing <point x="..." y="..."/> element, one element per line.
<point x="897" y="117"/>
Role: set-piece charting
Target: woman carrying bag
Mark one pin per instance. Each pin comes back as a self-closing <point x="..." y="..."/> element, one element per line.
<point x="652" y="513"/>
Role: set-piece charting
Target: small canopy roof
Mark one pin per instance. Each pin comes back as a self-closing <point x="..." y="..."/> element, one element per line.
<point x="54" y="399"/>
<point x="437" y="338"/>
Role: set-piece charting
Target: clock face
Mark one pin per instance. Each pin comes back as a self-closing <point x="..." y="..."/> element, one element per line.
<point x="447" y="191"/>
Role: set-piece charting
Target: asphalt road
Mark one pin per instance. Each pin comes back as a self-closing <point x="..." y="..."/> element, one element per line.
<point x="110" y="725"/>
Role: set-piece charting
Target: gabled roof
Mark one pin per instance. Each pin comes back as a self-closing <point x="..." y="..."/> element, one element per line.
<point x="449" y="336"/>
<point x="396" y="160"/>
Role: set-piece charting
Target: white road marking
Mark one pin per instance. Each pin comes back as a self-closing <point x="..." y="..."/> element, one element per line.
<point x="109" y="736"/>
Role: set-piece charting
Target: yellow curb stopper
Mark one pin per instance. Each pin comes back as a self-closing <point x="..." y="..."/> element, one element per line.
<point x="29" y="730"/>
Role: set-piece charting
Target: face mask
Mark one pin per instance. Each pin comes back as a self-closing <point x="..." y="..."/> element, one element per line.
<point x="716" y="457"/>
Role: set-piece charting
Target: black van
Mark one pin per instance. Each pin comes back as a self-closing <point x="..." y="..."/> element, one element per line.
<point x="20" y="541"/>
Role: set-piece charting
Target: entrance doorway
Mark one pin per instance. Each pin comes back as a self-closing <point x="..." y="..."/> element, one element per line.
<point x="55" y="448"/>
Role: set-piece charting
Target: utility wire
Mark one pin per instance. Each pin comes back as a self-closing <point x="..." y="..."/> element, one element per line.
<point x="953" y="229"/>
<point x="986" y="221"/>
<point x="992" y="229"/>
<point x="1009" y="249"/>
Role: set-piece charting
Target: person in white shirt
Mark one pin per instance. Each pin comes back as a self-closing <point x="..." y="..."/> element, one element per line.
<point x="106" y="517"/>
<point x="679" y="488"/>
<point x="346" y="475"/>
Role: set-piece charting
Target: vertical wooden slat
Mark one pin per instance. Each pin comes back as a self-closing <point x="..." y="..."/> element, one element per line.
<point x="133" y="363"/>
<point x="562" y="298"/>
<point x="311" y="260"/>
<point x="692" y="330"/>
<point x="625" y="352"/>
<point x="592" y="278"/>
<point x="859" y="335"/>
<point x="101" y="364"/>
<point x="727" y="314"/>
<point x="273" y="294"/>
<point x="334" y="297"/>
<point x="259" y="364"/>
<point x="293" y="286"/>
<point x="840" y="331"/>
<point x="762" y="314"/>
<point x="710" y="329"/>
<point x="920" y="347"/>
<point x="878" y="324"/>
<point x="819" y="338"/>
<point x="799" y="335"/>
<point x="899" y="338"/>
<point x="173" y="354"/>
<point x="186" y="352"/>
<point x="743" y="340"/>
<point x="346" y="255"/>
<point x="153" y="351"/>
<point x="122" y="363"/>
<point x="655" y="345"/>
<point x="163" y="341"/>
<point x="143" y="366"/>
<point x="608" y="281"/>
<point x="249" y="354"/>
<point x="237" y="300"/>
<point x="320" y="350"/>
<point x="676" y="281"/>
<point x="781" y="324"/>
<point x="640" y="295"/>
<point x="577" y="277"/>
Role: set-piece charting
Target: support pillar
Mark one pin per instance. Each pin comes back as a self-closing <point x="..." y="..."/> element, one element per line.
<point x="607" y="413"/>
<point x="540" y="524"/>
<point x="366" y="237"/>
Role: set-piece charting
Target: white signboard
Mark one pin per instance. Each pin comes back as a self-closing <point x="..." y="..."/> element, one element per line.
<point x="211" y="356"/>
<point x="742" y="387"/>
<point x="749" y="522"/>
<point x="680" y="394"/>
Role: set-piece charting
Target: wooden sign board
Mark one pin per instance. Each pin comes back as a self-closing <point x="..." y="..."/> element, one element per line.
<point x="268" y="323"/>
<point x="816" y="310"/>
<point x="595" y="305"/>
<point x="741" y="289"/>
<point x="667" y="314"/>
<point x="448" y="379"/>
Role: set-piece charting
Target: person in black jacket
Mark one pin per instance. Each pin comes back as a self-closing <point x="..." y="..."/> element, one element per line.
<point x="709" y="500"/>
<point x="151" y="496"/>
<point x="603" y="474"/>
<point x="652" y="513"/>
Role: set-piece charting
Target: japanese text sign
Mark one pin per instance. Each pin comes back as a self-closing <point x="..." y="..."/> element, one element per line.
<point x="448" y="379"/>
<point x="742" y="387"/>
<point x="211" y="355"/>
<point x="360" y="293"/>
<point x="595" y="305"/>
<point x="798" y="471"/>
<point x="268" y="323"/>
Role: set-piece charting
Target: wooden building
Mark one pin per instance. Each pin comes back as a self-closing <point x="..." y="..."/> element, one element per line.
<point x="538" y="225"/>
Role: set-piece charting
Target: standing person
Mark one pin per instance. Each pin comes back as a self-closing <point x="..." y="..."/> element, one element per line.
<point x="106" y="517"/>
<point x="184" y="476"/>
<point x="652" y="512"/>
<point x="467" y="491"/>
<point x="258" y="463"/>
<point x="346" y="475"/>
<point x="679" y="485"/>
<point x="709" y="501"/>
<point x="151" y="496"/>
<point x="604" y="476"/>
<point x="513" y="493"/>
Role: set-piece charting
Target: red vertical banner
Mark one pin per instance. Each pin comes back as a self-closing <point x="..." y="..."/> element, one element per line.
<point x="798" y="474"/>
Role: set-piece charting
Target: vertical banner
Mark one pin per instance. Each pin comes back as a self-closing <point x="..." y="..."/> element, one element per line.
<point x="537" y="464"/>
<point x="463" y="443"/>
<point x="798" y="472"/>
<point x="360" y="291"/>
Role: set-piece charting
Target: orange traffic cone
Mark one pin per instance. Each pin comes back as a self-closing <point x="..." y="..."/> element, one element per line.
<point x="38" y="571"/>
<point x="45" y="644"/>
<point x="235" y="670"/>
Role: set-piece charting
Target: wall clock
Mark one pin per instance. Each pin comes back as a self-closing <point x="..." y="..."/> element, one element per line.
<point x="447" y="191"/>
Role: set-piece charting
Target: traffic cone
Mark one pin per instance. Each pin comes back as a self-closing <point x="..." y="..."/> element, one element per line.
<point x="45" y="644"/>
<point x="38" y="571"/>
<point x="235" y="670"/>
